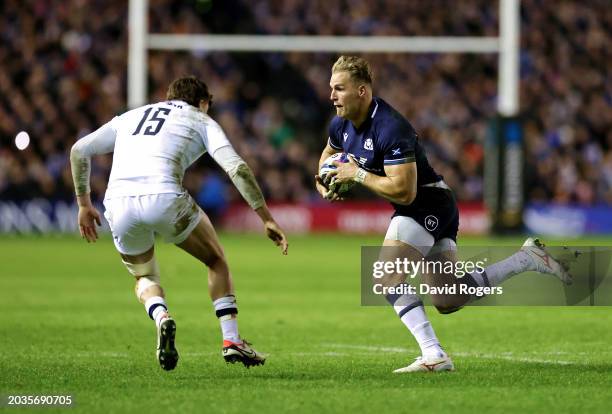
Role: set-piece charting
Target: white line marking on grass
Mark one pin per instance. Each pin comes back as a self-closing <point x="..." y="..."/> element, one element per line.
<point x="198" y="354"/>
<point x="102" y="354"/>
<point x="331" y="354"/>
<point x="508" y="356"/>
<point x="368" y="348"/>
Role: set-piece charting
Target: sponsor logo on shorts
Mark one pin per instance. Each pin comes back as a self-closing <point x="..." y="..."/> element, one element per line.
<point x="368" y="144"/>
<point x="431" y="223"/>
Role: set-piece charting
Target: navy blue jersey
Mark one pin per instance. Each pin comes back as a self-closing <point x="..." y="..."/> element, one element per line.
<point x="385" y="138"/>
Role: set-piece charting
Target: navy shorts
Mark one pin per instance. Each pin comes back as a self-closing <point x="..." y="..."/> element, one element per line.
<point x="436" y="210"/>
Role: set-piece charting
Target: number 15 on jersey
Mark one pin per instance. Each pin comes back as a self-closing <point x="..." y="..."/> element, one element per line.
<point x="155" y="123"/>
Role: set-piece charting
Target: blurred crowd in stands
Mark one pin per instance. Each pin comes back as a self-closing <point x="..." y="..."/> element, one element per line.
<point x="63" y="73"/>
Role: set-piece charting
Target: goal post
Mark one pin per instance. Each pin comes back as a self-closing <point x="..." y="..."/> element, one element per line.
<point x="504" y="198"/>
<point x="506" y="45"/>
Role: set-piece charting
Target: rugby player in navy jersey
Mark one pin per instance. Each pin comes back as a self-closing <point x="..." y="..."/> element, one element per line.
<point x="387" y="158"/>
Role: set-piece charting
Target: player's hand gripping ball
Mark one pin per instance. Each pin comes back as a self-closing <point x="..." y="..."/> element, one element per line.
<point x="328" y="165"/>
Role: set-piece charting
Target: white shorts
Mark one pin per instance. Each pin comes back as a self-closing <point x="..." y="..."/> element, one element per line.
<point x="135" y="220"/>
<point x="407" y="230"/>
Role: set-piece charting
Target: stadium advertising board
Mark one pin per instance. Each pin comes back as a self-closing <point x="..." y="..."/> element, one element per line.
<point x="43" y="216"/>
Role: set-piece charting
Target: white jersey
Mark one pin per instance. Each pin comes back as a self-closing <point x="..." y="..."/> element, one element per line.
<point x="156" y="143"/>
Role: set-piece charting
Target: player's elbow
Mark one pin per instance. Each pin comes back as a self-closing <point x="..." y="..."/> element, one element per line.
<point x="238" y="169"/>
<point x="76" y="152"/>
<point x="406" y="197"/>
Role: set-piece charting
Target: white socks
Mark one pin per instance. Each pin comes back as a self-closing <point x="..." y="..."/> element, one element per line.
<point x="229" y="328"/>
<point x="157" y="309"/>
<point x="420" y="327"/>
<point x="226" y="310"/>
<point x="499" y="272"/>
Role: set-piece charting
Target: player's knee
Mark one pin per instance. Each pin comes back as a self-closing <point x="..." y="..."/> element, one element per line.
<point x="147" y="276"/>
<point x="445" y="310"/>
<point x="445" y="304"/>
<point x="147" y="287"/>
<point x="216" y="261"/>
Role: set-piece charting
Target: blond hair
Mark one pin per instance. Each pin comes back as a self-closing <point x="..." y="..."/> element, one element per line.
<point x="358" y="68"/>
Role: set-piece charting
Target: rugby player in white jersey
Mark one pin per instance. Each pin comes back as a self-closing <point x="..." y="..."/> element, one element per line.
<point x="153" y="145"/>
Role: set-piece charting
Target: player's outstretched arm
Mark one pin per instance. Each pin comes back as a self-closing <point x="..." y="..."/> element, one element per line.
<point x="101" y="141"/>
<point x="244" y="180"/>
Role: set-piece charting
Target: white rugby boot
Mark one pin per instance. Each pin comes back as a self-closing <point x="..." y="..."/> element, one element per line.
<point x="242" y="352"/>
<point x="544" y="262"/>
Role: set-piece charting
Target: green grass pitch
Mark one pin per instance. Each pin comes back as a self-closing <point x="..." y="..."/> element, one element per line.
<point x="71" y="325"/>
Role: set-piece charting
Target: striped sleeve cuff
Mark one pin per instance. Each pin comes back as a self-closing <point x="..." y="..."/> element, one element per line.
<point x="397" y="161"/>
<point x="332" y="145"/>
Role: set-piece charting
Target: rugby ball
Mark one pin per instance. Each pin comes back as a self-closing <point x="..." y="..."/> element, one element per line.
<point x="327" y="166"/>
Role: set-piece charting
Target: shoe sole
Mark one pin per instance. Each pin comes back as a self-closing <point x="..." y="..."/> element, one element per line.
<point x="246" y="361"/>
<point x="167" y="354"/>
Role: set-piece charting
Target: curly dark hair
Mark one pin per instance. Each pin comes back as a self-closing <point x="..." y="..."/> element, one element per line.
<point x="189" y="89"/>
